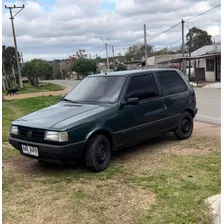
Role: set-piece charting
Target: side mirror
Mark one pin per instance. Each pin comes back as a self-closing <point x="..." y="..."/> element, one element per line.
<point x="62" y="97"/>
<point x="132" y="101"/>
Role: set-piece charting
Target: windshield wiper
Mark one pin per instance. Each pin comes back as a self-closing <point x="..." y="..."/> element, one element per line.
<point x="71" y="101"/>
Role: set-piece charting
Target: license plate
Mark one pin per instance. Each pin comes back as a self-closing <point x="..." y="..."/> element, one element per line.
<point x="30" y="150"/>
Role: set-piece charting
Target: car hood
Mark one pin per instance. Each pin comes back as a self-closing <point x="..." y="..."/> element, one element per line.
<point x="64" y="116"/>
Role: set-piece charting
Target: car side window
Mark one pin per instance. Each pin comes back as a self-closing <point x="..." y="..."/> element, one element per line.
<point x="143" y="87"/>
<point x="171" y="82"/>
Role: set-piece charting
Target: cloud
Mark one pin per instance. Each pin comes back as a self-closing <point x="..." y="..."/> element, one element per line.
<point x="65" y="26"/>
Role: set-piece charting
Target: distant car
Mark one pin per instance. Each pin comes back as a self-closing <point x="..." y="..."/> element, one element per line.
<point x="104" y="113"/>
<point x="25" y="80"/>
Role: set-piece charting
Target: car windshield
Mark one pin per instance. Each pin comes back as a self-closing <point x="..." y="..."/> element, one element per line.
<point x="97" y="89"/>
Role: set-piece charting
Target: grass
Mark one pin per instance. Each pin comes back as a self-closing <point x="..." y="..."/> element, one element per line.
<point x="14" y="109"/>
<point x="161" y="181"/>
<point x="31" y="89"/>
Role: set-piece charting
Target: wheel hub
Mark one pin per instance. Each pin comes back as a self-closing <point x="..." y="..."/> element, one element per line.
<point x="185" y="125"/>
<point x="101" y="153"/>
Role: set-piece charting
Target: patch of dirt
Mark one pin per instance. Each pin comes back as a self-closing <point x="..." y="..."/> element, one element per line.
<point x="43" y="196"/>
<point x="147" y="156"/>
<point x="203" y="129"/>
<point x="109" y="201"/>
<point x="188" y="152"/>
<point x="30" y="95"/>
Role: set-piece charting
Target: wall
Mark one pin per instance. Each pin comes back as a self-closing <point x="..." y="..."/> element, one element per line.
<point x="209" y="76"/>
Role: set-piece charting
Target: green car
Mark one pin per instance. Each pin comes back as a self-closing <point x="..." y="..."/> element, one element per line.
<point x="107" y="112"/>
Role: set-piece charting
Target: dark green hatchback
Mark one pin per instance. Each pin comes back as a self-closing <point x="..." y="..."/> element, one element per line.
<point x="106" y="112"/>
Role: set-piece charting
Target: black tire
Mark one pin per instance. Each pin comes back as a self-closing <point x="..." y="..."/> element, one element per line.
<point x="98" y="153"/>
<point x="185" y="126"/>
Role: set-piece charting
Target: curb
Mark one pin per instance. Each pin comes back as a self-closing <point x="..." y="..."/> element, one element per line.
<point x="214" y="203"/>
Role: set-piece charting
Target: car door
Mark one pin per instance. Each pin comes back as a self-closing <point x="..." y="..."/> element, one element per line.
<point x="175" y="96"/>
<point x="141" y="121"/>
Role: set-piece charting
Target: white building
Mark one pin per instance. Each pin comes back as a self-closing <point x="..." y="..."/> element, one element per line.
<point x="207" y="63"/>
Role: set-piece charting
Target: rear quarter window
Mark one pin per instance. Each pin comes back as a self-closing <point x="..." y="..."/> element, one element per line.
<point x="171" y="82"/>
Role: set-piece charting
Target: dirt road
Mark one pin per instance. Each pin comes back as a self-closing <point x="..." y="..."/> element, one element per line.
<point x="30" y="95"/>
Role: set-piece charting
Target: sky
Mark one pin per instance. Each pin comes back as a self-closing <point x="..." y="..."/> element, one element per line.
<point x="55" y="29"/>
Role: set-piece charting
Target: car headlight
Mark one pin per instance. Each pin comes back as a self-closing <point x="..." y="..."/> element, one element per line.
<point x="56" y="136"/>
<point x="13" y="130"/>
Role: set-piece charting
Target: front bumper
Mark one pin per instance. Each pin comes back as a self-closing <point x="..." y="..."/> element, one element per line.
<point x="52" y="153"/>
<point x="195" y="111"/>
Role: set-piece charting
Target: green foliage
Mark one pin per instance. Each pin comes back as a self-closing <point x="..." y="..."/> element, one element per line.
<point x="83" y="66"/>
<point x="121" y="67"/>
<point x="9" y="57"/>
<point x="136" y="52"/>
<point x="197" y="38"/>
<point x="37" y="68"/>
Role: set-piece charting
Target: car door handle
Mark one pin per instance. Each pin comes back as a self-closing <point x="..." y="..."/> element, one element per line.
<point x="164" y="106"/>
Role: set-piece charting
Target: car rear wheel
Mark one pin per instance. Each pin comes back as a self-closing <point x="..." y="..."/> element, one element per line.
<point x="98" y="153"/>
<point x="185" y="126"/>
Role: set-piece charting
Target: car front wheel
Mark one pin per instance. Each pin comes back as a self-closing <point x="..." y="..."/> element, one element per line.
<point x="98" y="153"/>
<point x="185" y="126"/>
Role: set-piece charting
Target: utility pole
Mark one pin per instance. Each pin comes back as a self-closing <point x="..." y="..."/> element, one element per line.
<point x="105" y="44"/>
<point x="189" y="69"/>
<point x="13" y="72"/>
<point x="145" y="46"/>
<point x="184" y="67"/>
<point x="22" y="57"/>
<point x="96" y="60"/>
<point x="107" y="55"/>
<point x="113" y="53"/>
<point x="14" y="37"/>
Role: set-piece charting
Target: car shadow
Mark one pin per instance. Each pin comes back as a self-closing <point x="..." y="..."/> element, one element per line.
<point x="45" y="168"/>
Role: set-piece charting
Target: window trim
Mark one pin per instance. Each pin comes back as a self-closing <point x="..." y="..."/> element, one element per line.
<point x="184" y="81"/>
<point x="156" y="85"/>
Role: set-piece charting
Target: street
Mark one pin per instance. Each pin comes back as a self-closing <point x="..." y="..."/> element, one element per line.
<point x="208" y="102"/>
<point x="209" y="105"/>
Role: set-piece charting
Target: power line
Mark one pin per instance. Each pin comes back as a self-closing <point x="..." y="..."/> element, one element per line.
<point x="203" y="13"/>
<point x="174" y="42"/>
<point x="153" y="37"/>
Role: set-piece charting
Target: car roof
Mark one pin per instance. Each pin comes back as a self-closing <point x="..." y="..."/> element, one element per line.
<point x="130" y="72"/>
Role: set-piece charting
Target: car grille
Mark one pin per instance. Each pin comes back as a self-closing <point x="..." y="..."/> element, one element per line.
<point x="30" y="133"/>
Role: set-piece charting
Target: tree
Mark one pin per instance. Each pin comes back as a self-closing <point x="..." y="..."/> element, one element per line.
<point x="121" y="67"/>
<point x="136" y="52"/>
<point x="83" y="66"/>
<point x="37" y="68"/>
<point x="9" y="56"/>
<point x="197" y="38"/>
<point x="9" y="61"/>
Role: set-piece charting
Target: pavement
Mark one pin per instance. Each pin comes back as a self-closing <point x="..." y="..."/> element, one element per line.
<point x="209" y="105"/>
<point x="213" y="86"/>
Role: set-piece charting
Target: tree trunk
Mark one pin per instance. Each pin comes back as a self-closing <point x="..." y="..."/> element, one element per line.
<point x="13" y="72"/>
<point x="5" y="76"/>
<point x="3" y="83"/>
<point x="36" y="81"/>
